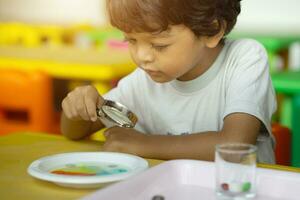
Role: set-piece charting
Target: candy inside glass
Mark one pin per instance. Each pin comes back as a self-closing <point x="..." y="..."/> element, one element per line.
<point x="235" y="171"/>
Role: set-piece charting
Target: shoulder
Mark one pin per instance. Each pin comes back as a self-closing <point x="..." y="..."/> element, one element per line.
<point x="135" y="80"/>
<point x="245" y="48"/>
<point x="245" y="55"/>
<point x="136" y="75"/>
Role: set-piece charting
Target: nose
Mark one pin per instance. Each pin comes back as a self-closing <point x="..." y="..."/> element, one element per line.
<point x="144" y="55"/>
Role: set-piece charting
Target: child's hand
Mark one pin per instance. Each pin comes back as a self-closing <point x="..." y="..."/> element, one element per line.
<point x="80" y="104"/>
<point x="126" y="140"/>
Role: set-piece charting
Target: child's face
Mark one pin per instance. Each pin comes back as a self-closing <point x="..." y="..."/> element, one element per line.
<point x="173" y="54"/>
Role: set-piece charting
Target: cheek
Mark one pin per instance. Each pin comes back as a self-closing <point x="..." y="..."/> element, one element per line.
<point x="133" y="54"/>
<point x="177" y="65"/>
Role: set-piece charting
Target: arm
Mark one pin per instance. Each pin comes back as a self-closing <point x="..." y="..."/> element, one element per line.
<point x="79" y="118"/>
<point x="78" y="129"/>
<point x="238" y="127"/>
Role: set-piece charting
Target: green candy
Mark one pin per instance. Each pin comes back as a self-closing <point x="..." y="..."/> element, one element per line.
<point x="246" y="187"/>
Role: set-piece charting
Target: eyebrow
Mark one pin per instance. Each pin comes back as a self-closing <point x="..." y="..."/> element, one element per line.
<point x="164" y="34"/>
<point x="155" y="35"/>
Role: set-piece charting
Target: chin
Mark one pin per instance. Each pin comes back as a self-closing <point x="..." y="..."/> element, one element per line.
<point x="161" y="79"/>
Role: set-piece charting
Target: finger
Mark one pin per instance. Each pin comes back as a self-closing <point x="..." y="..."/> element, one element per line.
<point x="81" y="109"/>
<point x="109" y="147"/>
<point x="105" y="147"/>
<point x="100" y="101"/>
<point x="106" y="133"/>
<point x="70" y="105"/>
<point x="66" y="109"/>
<point x="94" y="100"/>
<point x="91" y="107"/>
<point x="70" y="109"/>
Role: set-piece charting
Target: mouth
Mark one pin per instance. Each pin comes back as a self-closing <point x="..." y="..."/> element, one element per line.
<point x="151" y="72"/>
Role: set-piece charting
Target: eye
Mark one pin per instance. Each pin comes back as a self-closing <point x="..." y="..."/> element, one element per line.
<point x="130" y="40"/>
<point x="160" y="47"/>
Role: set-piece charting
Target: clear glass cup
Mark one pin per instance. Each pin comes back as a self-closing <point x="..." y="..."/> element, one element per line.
<point x="235" y="171"/>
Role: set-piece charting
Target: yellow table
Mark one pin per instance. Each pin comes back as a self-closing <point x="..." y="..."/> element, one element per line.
<point x="17" y="151"/>
<point x="69" y="63"/>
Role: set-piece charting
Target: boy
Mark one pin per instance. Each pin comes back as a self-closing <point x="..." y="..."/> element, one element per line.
<point x="193" y="89"/>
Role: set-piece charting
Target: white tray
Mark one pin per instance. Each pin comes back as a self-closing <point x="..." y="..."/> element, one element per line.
<point x="191" y="180"/>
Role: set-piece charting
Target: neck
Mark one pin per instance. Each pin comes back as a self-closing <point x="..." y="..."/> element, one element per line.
<point x="202" y="67"/>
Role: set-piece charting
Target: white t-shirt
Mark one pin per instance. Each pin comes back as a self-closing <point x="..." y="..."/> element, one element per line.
<point x="238" y="81"/>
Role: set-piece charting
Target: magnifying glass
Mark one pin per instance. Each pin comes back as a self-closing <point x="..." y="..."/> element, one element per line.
<point x="115" y="114"/>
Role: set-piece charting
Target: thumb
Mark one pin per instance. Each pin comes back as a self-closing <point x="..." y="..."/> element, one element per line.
<point x="100" y="101"/>
<point x="106" y="133"/>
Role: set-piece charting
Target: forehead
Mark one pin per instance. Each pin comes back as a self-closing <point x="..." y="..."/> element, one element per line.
<point x="172" y="31"/>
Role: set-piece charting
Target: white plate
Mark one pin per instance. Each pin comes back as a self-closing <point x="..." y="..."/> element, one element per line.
<point x="96" y="168"/>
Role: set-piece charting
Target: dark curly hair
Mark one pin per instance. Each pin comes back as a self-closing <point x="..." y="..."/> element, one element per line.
<point x="203" y="17"/>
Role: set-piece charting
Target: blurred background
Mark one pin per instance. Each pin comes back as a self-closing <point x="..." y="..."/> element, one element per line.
<point x="47" y="48"/>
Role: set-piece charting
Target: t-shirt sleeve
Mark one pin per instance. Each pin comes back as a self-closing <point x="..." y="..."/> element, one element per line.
<point x="125" y="92"/>
<point x="249" y="88"/>
<point x="129" y="92"/>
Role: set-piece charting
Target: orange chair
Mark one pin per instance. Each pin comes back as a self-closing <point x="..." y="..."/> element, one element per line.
<point x="26" y="102"/>
<point x="282" y="135"/>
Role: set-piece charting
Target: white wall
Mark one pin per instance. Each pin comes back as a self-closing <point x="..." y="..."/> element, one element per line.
<point x="53" y="11"/>
<point x="270" y="17"/>
<point x="258" y="16"/>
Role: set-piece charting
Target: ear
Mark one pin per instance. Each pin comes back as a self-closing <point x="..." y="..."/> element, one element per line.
<point x="213" y="41"/>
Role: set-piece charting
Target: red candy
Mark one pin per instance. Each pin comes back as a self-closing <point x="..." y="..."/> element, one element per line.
<point x="225" y="186"/>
